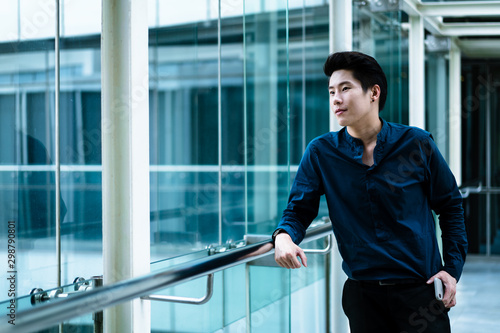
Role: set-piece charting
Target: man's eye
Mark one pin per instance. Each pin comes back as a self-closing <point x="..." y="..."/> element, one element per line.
<point x="332" y="93"/>
<point x="345" y="88"/>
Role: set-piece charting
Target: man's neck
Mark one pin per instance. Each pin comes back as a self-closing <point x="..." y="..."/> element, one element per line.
<point x="366" y="131"/>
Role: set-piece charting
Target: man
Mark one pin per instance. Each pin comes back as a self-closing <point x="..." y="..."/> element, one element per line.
<point x="381" y="181"/>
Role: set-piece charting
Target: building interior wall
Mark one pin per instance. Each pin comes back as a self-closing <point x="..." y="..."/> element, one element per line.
<point x="220" y="167"/>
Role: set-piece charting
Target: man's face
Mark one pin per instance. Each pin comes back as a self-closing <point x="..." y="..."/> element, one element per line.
<point x="348" y="101"/>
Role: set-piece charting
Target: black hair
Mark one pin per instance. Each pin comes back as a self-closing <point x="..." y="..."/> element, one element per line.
<point x="364" y="68"/>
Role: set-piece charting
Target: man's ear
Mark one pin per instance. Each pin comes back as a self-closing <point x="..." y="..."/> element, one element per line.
<point x="375" y="92"/>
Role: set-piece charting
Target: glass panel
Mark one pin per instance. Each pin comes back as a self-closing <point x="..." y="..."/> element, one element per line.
<point x="495" y="156"/>
<point x="379" y="34"/>
<point x="27" y="113"/>
<point x="474" y="209"/>
<point x="37" y="20"/>
<point x="309" y="293"/>
<point x="227" y="307"/>
<point x="263" y="291"/>
<point x="254" y="120"/>
<point x="80" y="141"/>
<point x="75" y="24"/>
<point x="268" y="147"/>
<point x="184" y="129"/>
<point x="275" y="300"/>
<point x="476" y="216"/>
<point x="473" y="124"/>
<point x="233" y="127"/>
<point x="267" y="108"/>
<point x="436" y="99"/>
<point x="174" y="317"/>
<point x="235" y="298"/>
<point x="81" y="229"/>
<point x="38" y="297"/>
<point x="27" y="177"/>
<point x="495" y="224"/>
<point x="186" y="217"/>
<point x="184" y="151"/>
<point x="287" y="300"/>
<point x="479" y="94"/>
<point x="269" y="299"/>
<point x="273" y="102"/>
<point x="309" y="100"/>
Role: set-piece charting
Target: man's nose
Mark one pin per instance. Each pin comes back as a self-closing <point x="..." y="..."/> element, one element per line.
<point x="336" y="99"/>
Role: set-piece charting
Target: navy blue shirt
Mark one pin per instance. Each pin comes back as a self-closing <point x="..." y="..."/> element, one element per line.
<point x="382" y="214"/>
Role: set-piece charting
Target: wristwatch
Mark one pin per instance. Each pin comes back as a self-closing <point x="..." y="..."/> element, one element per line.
<point x="276" y="232"/>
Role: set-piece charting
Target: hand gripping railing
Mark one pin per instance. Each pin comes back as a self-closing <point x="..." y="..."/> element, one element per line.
<point x="95" y="300"/>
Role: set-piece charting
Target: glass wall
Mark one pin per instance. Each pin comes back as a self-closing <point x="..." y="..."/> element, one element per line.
<point x="381" y="35"/>
<point x="27" y="160"/>
<point x="436" y="98"/>
<point x="231" y="114"/>
<point x="236" y="93"/>
<point x="29" y="166"/>
<point x="480" y="141"/>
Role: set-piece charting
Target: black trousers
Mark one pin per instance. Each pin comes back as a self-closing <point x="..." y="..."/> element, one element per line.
<point x="399" y="308"/>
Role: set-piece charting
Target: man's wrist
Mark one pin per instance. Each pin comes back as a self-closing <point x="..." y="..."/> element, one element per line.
<point x="276" y="233"/>
<point x="453" y="271"/>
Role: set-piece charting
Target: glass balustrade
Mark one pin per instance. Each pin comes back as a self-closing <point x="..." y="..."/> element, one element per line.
<point x="236" y="92"/>
<point x="38" y="297"/>
<point x="258" y="296"/>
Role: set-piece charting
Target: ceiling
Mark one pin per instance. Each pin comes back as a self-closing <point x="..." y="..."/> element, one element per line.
<point x="474" y="25"/>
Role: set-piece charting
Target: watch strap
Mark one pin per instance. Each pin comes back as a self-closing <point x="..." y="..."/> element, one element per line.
<point x="276" y="233"/>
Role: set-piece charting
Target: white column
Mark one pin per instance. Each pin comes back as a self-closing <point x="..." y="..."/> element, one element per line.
<point x="339" y="322"/>
<point x="125" y="155"/>
<point x="340" y="36"/>
<point x="417" y="72"/>
<point x="340" y="29"/>
<point x="455" y="113"/>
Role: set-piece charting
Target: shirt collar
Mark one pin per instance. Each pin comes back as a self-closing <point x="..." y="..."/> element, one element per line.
<point x="352" y="141"/>
<point x="384" y="131"/>
<point x="381" y="136"/>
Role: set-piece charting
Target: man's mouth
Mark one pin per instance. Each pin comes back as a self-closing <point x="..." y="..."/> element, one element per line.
<point x="338" y="112"/>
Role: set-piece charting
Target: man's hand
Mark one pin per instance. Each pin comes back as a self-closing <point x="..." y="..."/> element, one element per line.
<point x="450" y="288"/>
<point x="286" y="252"/>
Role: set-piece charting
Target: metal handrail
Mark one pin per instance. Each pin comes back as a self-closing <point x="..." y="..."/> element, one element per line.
<point x="325" y="250"/>
<point x="466" y="191"/>
<point x="186" y="300"/>
<point x="50" y="314"/>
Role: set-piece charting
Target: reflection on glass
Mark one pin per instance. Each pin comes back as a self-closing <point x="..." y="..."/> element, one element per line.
<point x="495" y="224"/>
<point x="27" y="161"/>
<point x="380" y="35"/>
<point x="184" y="213"/>
<point x="480" y="90"/>
<point x="183" y="133"/>
<point x="273" y="100"/>
<point x="436" y="100"/>
<point x="80" y="141"/>
<point x="221" y="167"/>
<point x="27" y="172"/>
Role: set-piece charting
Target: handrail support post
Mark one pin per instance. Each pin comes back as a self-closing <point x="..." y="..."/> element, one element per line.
<point x="186" y="300"/>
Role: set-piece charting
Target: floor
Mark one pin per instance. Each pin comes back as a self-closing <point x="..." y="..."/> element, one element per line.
<point x="478" y="297"/>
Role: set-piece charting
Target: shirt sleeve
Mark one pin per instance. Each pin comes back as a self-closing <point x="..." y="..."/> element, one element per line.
<point x="303" y="202"/>
<point x="446" y="201"/>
